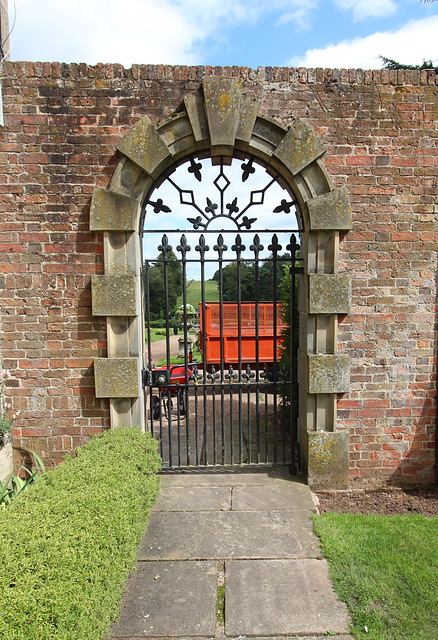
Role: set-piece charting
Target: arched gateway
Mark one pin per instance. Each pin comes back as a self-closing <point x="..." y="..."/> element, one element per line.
<point x="220" y="123"/>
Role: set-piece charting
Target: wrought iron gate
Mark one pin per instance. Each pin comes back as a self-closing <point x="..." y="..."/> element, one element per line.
<point x="230" y="397"/>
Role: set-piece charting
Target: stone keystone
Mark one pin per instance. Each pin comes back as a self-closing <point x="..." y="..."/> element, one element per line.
<point x="222" y="102"/>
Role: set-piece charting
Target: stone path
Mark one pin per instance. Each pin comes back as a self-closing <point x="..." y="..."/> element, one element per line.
<point x="248" y="534"/>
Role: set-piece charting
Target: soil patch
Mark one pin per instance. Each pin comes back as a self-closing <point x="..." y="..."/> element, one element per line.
<point x="388" y="501"/>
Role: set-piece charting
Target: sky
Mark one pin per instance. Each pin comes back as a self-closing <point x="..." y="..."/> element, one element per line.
<point x="311" y="33"/>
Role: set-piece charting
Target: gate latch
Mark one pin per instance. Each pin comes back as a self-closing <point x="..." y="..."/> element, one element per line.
<point x="155" y="378"/>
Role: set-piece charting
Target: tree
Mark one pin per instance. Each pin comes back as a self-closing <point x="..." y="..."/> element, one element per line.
<point x="156" y="284"/>
<point x="388" y="63"/>
<point x="230" y="282"/>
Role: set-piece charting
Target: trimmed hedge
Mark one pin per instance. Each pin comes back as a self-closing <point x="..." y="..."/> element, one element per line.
<point x="68" y="544"/>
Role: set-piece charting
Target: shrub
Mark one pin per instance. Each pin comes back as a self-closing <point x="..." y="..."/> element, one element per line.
<point x="160" y="332"/>
<point x="69" y="543"/>
<point x="157" y="324"/>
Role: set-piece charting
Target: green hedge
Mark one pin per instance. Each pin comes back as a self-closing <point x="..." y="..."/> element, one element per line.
<point x="67" y="546"/>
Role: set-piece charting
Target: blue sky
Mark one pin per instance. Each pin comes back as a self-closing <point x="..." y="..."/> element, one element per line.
<point x="312" y="33"/>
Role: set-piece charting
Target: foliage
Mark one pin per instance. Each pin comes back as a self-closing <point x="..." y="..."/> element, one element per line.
<point x="16" y="485"/>
<point x="265" y="280"/>
<point x="285" y="359"/>
<point x="156" y="284"/>
<point x="6" y="422"/>
<point x="157" y="324"/>
<point x="69" y="543"/>
<point x="388" y="63"/>
<point x="384" y="568"/>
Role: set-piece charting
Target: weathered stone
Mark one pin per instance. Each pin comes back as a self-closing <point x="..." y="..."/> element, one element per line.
<point x="117" y="377"/>
<point x="194" y="499"/>
<point x="329" y="373"/>
<point x="290" y="597"/>
<point x="249" y="109"/>
<point x="262" y="534"/>
<point x="329" y="293"/>
<point x="290" y="496"/>
<point x="177" y="133"/>
<point x="143" y="145"/>
<point x="330" y="211"/>
<point x="111" y="211"/>
<point x="222" y="103"/>
<point x="299" y="147"/>
<point x="267" y="135"/>
<point x="197" y="116"/>
<point x="114" y="295"/>
<point x="169" y="599"/>
<point x="328" y="460"/>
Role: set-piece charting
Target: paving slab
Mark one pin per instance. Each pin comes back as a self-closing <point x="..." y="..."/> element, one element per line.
<point x="227" y="478"/>
<point x="291" y="597"/>
<point x="229" y="534"/>
<point x="286" y="496"/>
<point x="169" y="599"/>
<point x="194" y="499"/>
<point x="301" y="637"/>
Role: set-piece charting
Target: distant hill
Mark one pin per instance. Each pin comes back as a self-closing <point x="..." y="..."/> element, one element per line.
<point x="194" y="293"/>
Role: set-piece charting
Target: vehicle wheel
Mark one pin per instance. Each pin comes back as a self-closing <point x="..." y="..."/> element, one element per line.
<point x="182" y="405"/>
<point x="155" y="407"/>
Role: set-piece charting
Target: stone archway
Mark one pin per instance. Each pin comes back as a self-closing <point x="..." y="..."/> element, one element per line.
<point x="221" y="119"/>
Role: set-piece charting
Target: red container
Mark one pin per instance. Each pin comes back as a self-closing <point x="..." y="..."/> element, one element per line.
<point x="247" y="331"/>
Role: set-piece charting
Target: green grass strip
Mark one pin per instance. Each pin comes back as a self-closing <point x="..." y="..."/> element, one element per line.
<point x="386" y="570"/>
<point x="69" y="543"/>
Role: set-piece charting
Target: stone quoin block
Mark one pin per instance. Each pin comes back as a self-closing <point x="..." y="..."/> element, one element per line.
<point x="116" y="377"/>
<point x="113" y="295"/>
<point x="328" y="459"/>
<point x="329" y="293"/>
<point x="111" y="211"/>
<point x="330" y="211"/>
<point x="299" y="147"/>
<point x="329" y="373"/>
<point x="143" y="145"/>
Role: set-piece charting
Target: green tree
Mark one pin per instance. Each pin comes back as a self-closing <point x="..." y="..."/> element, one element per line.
<point x="156" y="284"/>
<point x="388" y="63"/>
<point x="265" y="279"/>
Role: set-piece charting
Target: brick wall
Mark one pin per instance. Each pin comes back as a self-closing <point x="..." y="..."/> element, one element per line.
<point x="380" y="127"/>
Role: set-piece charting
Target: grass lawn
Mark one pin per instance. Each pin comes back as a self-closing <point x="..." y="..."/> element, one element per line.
<point x="194" y="296"/>
<point x="196" y="354"/>
<point x="154" y="336"/>
<point x="386" y="569"/>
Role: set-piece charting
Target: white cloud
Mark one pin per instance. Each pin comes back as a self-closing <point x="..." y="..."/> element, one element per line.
<point x="301" y="16"/>
<point x="363" y="9"/>
<point x="131" y="31"/>
<point x="411" y="44"/>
